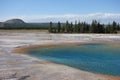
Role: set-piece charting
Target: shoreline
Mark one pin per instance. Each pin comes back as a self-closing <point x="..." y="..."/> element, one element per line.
<point x="23" y="49"/>
<point x="46" y="70"/>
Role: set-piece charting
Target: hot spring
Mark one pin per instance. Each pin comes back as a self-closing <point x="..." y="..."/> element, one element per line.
<point x="96" y="58"/>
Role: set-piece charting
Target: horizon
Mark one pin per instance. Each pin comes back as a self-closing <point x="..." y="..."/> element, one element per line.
<point x="104" y="11"/>
<point x="65" y="21"/>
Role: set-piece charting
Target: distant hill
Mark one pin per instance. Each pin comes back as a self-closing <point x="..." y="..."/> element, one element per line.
<point x="1" y="24"/>
<point x="14" y="21"/>
<point x="11" y="22"/>
<point x="20" y="24"/>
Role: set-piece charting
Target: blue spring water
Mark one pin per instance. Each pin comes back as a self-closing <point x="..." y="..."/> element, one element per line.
<point x="96" y="58"/>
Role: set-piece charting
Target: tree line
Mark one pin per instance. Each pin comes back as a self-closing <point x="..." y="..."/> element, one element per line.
<point x="83" y="27"/>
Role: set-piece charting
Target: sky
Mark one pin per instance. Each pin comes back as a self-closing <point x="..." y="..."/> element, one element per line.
<point x="60" y="10"/>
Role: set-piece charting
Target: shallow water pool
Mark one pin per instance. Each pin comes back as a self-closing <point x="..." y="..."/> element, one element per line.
<point x="96" y="58"/>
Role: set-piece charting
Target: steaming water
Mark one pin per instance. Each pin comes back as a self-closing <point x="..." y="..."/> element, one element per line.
<point x="96" y="58"/>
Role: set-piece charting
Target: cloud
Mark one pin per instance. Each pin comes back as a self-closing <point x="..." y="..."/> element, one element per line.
<point x="101" y="17"/>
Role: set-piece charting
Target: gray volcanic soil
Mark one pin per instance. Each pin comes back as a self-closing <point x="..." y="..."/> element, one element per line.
<point x="22" y="67"/>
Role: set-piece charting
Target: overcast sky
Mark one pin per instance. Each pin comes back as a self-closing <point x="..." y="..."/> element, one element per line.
<point x="60" y="10"/>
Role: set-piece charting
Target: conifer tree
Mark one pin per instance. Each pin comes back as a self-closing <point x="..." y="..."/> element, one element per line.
<point x="58" y="27"/>
<point x="67" y="26"/>
<point x="50" y="27"/>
